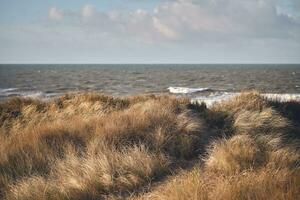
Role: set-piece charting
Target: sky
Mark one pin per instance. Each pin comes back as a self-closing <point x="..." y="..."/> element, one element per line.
<point x="150" y="31"/>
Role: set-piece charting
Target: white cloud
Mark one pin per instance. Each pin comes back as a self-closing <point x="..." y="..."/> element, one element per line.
<point x="207" y="28"/>
<point x="165" y="30"/>
<point x="88" y="11"/>
<point x="190" y="21"/>
<point x="141" y="13"/>
<point x="55" y="14"/>
<point x="225" y="18"/>
<point x="290" y="8"/>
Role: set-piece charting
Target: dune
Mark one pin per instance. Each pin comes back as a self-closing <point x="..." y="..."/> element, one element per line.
<point x="94" y="146"/>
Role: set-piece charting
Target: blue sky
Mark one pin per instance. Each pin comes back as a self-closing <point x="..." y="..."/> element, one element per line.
<point x="31" y="10"/>
<point x="150" y="31"/>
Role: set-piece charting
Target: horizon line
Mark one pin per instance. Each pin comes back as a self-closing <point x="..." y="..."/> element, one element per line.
<point x="217" y="63"/>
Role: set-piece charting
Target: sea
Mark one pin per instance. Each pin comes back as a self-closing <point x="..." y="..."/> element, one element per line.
<point x="201" y="82"/>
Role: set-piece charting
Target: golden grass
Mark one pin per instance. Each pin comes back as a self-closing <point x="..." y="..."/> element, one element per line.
<point x="92" y="146"/>
<point x="93" y="176"/>
<point x="197" y="184"/>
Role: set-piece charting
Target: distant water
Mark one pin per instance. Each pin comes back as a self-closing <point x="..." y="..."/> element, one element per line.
<point x="197" y="81"/>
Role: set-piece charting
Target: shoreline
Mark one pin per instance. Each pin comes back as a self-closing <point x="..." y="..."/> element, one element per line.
<point x="209" y="98"/>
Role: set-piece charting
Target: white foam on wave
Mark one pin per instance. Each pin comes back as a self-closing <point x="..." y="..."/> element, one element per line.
<point x="38" y="94"/>
<point x="223" y="96"/>
<point x="214" y="98"/>
<point x="185" y="90"/>
<point x="10" y="92"/>
<point x="282" y="97"/>
<point x="5" y="90"/>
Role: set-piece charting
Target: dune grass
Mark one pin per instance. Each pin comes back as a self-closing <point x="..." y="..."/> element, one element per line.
<point x="93" y="146"/>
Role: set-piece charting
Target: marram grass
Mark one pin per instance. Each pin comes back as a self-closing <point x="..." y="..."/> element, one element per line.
<point x="93" y="146"/>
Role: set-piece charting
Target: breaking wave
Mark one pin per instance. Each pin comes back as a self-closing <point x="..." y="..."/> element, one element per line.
<point x="16" y="92"/>
<point x="186" y="90"/>
<point x="221" y="96"/>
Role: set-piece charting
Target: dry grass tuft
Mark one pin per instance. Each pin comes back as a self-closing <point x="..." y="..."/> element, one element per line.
<point x="250" y="185"/>
<point x="235" y="155"/>
<point x="94" y="176"/>
<point x="267" y="121"/>
<point x="261" y="184"/>
<point x="187" y="185"/>
<point x="163" y="127"/>
<point x="251" y="101"/>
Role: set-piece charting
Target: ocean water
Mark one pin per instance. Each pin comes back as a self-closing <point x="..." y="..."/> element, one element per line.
<point x="207" y="83"/>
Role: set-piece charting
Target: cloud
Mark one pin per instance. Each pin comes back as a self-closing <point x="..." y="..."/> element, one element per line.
<point x="88" y="11"/>
<point x="165" y="30"/>
<point x="290" y="8"/>
<point x="228" y="29"/>
<point x="55" y="14"/>
<point x="199" y="20"/>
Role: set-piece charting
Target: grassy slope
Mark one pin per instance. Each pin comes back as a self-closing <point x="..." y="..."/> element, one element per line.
<point x="92" y="146"/>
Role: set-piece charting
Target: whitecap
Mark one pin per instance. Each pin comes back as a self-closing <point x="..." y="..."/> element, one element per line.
<point x="223" y="96"/>
<point x="282" y="97"/>
<point x="33" y="94"/>
<point x="185" y="90"/>
<point x="214" y="98"/>
<point x="10" y="92"/>
<point x="38" y="94"/>
<point x="4" y="90"/>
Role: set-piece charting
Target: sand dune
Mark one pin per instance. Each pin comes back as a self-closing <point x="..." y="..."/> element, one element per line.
<point x="93" y="146"/>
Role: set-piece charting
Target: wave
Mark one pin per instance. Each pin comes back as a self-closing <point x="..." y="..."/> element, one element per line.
<point x="15" y="92"/>
<point x="214" y="97"/>
<point x="186" y="90"/>
<point x="282" y="97"/>
<point x="221" y="96"/>
<point x="209" y="96"/>
<point x="4" y="90"/>
<point x="37" y="94"/>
